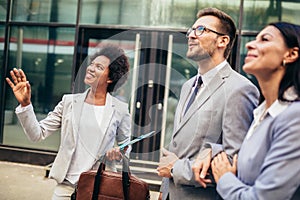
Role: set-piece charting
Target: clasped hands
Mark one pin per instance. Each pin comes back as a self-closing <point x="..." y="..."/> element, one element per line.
<point x="219" y="165"/>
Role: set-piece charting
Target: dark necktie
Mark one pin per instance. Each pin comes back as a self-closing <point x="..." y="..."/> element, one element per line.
<point x="199" y="83"/>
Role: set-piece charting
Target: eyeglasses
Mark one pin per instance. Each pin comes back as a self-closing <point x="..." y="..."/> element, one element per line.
<point x="199" y="31"/>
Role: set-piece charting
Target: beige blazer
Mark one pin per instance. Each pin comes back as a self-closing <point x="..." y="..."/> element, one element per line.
<point x="66" y="116"/>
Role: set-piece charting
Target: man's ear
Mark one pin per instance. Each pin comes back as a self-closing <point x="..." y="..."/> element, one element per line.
<point x="223" y="41"/>
<point x="109" y="81"/>
<point x="292" y="55"/>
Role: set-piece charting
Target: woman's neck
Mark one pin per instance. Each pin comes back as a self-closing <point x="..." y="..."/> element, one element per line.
<point x="96" y="97"/>
<point x="269" y="83"/>
<point x="269" y="90"/>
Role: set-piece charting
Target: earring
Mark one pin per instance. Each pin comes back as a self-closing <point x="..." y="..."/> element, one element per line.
<point x="284" y="63"/>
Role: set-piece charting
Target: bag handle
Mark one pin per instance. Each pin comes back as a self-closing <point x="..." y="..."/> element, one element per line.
<point x="125" y="177"/>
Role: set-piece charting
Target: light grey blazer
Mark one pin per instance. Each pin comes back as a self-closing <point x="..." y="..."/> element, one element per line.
<point x="66" y="116"/>
<point x="268" y="162"/>
<point x="221" y="114"/>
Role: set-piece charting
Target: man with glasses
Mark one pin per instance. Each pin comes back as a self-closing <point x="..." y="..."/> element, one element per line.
<point x="213" y="114"/>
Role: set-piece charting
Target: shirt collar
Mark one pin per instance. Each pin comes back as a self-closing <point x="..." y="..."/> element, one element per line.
<point x="208" y="76"/>
<point x="278" y="106"/>
<point x="274" y="110"/>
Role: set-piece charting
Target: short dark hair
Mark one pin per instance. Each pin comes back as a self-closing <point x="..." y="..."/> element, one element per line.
<point x="291" y="35"/>
<point x="226" y="25"/>
<point x="118" y="67"/>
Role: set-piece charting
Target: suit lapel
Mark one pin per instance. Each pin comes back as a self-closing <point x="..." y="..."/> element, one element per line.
<point x="208" y="91"/>
<point x="108" y="112"/>
<point x="184" y="97"/>
<point x="77" y="104"/>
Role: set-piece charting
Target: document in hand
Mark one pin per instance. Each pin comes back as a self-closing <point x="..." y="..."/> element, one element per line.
<point x="141" y="137"/>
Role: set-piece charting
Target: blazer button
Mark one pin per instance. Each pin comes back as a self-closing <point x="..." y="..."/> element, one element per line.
<point x="174" y="144"/>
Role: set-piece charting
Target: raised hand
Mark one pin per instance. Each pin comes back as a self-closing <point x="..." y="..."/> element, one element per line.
<point x="20" y="86"/>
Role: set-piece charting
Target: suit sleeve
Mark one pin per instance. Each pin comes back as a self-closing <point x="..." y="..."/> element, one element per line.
<point x="183" y="173"/>
<point x="35" y="130"/>
<point x="280" y="172"/>
<point x="164" y="188"/>
<point x="237" y="117"/>
<point x="124" y="128"/>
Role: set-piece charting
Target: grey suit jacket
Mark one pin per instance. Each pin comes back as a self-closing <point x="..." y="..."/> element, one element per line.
<point x="221" y="114"/>
<point x="268" y="162"/>
<point x="66" y="116"/>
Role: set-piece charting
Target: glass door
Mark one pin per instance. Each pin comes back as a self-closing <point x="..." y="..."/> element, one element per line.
<point x="158" y="68"/>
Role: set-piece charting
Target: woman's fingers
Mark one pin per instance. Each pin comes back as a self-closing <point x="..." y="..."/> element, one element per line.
<point x="17" y="76"/>
<point x="10" y="83"/>
<point x="114" y="154"/>
<point x="13" y="76"/>
<point x="22" y="75"/>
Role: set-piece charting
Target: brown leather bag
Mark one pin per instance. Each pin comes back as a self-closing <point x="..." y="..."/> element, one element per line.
<point x="107" y="185"/>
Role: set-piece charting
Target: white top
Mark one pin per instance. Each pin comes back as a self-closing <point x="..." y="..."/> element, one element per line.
<point x="260" y="113"/>
<point x="275" y="109"/>
<point x="89" y="142"/>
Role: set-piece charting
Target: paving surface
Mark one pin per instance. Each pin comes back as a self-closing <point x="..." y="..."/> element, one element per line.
<point x="28" y="182"/>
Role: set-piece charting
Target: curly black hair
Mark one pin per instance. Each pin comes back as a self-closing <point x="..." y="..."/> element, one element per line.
<point x="118" y="67"/>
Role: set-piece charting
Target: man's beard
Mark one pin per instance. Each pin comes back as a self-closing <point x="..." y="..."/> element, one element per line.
<point x="199" y="55"/>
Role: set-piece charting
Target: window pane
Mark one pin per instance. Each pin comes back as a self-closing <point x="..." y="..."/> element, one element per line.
<point x="45" y="10"/>
<point x="184" y="12"/>
<point x="258" y="13"/>
<point x="45" y="55"/>
<point x="291" y="12"/>
<point x="3" y="8"/>
<point x="166" y="13"/>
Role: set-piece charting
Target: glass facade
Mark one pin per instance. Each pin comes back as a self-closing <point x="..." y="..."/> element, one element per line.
<point x="158" y="13"/>
<point x="45" y="54"/>
<point x="51" y="39"/>
<point x="62" y="11"/>
<point x="259" y="13"/>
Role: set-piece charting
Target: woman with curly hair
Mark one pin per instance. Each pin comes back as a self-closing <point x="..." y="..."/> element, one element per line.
<point x="89" y="122"/>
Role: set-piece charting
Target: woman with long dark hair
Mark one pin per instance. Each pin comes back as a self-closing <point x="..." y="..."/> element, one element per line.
<point x="267" y="166"/>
